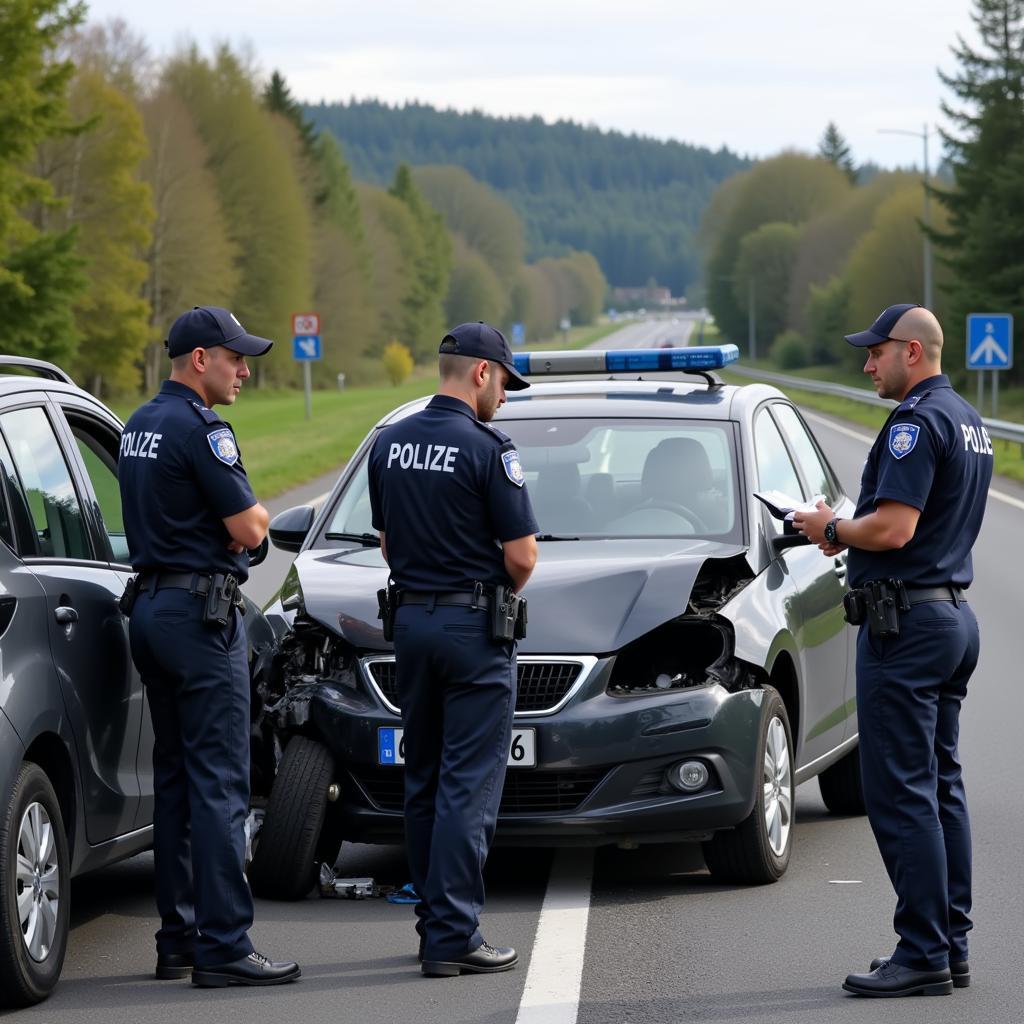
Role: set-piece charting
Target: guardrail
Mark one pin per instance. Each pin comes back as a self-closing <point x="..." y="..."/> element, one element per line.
<point x="1003" y="429"/>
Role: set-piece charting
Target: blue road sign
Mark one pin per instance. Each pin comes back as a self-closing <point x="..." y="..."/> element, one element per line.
<point x="306" y="347"/>
<point x="518" y="334"/>
<point x="989" y="341"/>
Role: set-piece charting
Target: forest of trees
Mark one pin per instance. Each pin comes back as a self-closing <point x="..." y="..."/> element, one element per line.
<point x="821" y="248"/>
<point x="635" y="203"/>
<point x="131" y="189"/>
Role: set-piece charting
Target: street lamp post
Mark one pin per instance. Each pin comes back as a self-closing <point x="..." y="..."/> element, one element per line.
<point x="923" y="136"/>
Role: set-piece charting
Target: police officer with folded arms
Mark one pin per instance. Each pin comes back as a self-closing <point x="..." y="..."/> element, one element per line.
<point x="190" y="516"/>
<point x="449" y="500"/>
<point x="921" y="505"/>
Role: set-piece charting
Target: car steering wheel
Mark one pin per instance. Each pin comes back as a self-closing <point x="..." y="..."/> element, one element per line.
<point x="677" y="509"/>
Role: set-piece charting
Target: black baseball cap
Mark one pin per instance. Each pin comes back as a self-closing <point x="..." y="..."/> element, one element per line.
<point x="882" y="329"/>
<point x="482" y="341"/>
<point x="208" y="326"/>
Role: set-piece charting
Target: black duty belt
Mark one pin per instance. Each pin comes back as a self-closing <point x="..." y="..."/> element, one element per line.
<point x="921" y="595"/>
<point x="445" y="597"/>
<point x="194" y="582"/>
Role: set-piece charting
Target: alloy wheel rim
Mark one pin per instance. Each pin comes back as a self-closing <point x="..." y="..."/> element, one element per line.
<point x="38" y="882"/>
<point x="778" y="787"/>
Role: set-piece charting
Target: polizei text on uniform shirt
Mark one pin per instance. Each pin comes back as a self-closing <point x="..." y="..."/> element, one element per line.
<point x="141" y="444"/>
<point x="437" y="458"/>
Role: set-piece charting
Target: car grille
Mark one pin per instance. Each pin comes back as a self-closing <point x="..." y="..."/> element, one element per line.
<point x="526" y="791"/>
<point x="542" y="685"/>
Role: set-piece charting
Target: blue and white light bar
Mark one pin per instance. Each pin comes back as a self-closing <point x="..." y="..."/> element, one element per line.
<point x="627" y="360"/>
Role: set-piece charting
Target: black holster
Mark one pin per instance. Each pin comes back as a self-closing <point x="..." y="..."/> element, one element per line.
<point x="508" y="614"/>
<point x="129" y="597"/>
<point x="387" y="603"/>
<point x="221" y="598"/>
<point x="879" y="603"/>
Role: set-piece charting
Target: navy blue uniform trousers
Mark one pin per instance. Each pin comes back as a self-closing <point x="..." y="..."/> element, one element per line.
<point x="909" y="692"/>
<point x="457" y="689"/>
<point x="197" y="682"/>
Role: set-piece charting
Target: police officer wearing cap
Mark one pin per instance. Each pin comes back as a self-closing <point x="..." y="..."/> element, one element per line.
<point x="190" y="516"/>
<point x="921" y="505"/>
<point x="449" y="500"/>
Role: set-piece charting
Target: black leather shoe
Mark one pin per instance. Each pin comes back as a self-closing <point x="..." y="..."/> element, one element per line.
<point x="174" y="966"/>
<point x="960" y="969"/>
<point x="891" y="979"/>
<point x="483" y="960"/>
<point x="254" y="969"/>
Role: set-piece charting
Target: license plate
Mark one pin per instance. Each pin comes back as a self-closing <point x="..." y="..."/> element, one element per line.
<point x="522" y="751"/>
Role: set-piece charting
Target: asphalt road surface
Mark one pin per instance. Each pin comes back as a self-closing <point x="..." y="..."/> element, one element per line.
<point x="625" y="935"/>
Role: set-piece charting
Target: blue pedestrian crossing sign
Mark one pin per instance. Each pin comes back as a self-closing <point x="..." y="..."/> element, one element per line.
<point x="989" y="341"/>
<point x="306" y="347"/>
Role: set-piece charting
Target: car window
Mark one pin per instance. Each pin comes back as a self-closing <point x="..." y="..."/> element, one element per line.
<point x="775" y="470"/>
<point x="24" y="534"/>
<point x="101" y="466"/>
<point x="45" y="482"/>
<point x="807" y="455"/>
<point x="610" y="478"/>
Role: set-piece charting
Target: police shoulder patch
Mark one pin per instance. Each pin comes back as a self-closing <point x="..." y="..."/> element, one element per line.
<point x="513" y="468"/>
<point x="902" y="438"/>
<point x="222" y="444"/>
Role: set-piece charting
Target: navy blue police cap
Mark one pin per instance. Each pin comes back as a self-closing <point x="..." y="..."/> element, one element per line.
<point x="881" y="330"/>
<point x="209" y="326"/>
<point x="482" y="341"/>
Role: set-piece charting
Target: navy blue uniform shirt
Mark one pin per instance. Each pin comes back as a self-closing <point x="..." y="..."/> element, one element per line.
<point x="181" y="475"/>
<point x="445" y="489"/>
<point x="933" y="454"/>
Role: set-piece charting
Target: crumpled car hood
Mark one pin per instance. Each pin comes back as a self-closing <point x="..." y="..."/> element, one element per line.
<point x="585" y="597"/>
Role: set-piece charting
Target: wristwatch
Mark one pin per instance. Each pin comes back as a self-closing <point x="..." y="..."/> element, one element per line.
<point x="830" y="531"/>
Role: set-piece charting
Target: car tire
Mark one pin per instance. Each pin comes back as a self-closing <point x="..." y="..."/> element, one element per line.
<point x="758" y="849"/>
<point x="284" y="863"/>
<point x="840" y="785"/>
<point x="34" y="905"/>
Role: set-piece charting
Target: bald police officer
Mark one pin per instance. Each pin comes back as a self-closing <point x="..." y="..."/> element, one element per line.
<point x="921" y="504"/>
<point x="449" y="499"/>
<point x="189" y="516"/>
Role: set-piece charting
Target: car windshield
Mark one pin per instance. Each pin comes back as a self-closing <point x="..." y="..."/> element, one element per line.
<point x="609" y="478"/>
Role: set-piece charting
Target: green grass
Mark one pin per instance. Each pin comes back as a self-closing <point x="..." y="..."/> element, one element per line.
<point x="578" y="337"/>
<point x="282" y="449"/>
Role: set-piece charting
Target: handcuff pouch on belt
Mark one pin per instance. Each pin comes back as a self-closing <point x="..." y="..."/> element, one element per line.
<point x="508" y="614"/>
<point x="879" y="603"/>
<point x="221" y="599"/>
<point x="387" y="603"/>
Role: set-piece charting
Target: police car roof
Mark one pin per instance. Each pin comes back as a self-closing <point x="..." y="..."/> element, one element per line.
<point x="623" y="397"/>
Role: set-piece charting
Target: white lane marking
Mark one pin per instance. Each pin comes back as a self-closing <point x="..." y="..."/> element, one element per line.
<point x="1008" y="499"/>
<point x="551" y="994"/>
<point x="845" y="881"/>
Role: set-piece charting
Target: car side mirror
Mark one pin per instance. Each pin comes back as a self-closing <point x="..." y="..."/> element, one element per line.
<point x="789" y="538"/>
<point x="259" y="554"/>
<point x="288" y="529"/>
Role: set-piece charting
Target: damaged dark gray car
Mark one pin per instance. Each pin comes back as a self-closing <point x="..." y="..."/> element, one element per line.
<point x="686" y="663"/>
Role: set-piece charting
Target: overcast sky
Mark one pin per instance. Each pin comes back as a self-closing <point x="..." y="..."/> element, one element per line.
<point x="754" y="76"/>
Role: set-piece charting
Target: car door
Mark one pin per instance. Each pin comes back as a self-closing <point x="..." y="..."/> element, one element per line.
<point x="820" y="479"/>
<point x="814" y="605"/>
<point x="71" y="558"/>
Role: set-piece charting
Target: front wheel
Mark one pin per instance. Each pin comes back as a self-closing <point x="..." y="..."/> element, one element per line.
<point x="758" y="849"/>
<point x="290" y="843"/>
<point x="34" y="887"/>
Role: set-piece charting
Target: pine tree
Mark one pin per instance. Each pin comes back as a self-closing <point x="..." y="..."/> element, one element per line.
<point x="835" y="149"/>
<point x="40" y="270"/>
<point x="278" y="99"/>
<point x="983" y="244"/>
<point x="424" y="319"/>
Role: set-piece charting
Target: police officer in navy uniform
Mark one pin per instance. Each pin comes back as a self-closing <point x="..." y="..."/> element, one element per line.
<point x="190" y="516"/>
<point x="449" y="500"/>
<point x="921" y="505"/>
